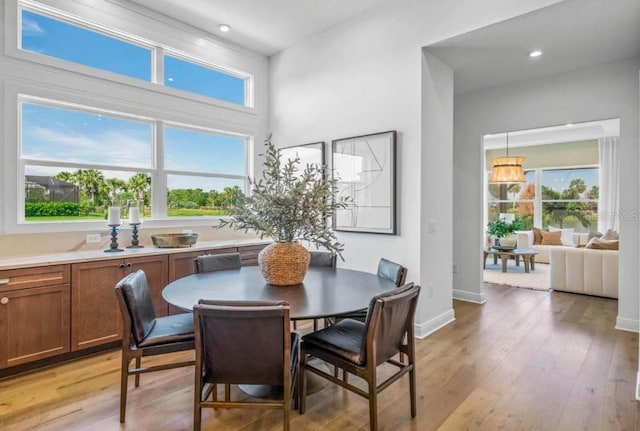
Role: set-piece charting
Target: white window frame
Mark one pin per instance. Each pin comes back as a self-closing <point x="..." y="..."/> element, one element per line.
<point x="537" y="201"/>
<point x="46" y="77"/>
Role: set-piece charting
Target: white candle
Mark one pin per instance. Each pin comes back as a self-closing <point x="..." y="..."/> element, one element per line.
<point x="134" y="215"/>
<point x="114" y="216"/>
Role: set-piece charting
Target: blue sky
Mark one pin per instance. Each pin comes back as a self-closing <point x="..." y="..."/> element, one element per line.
<point x="53" y="133"/>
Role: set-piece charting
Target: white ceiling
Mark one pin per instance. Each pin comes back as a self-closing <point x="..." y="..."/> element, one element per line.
<point x="554" y="135"/>
<point x="572" y="34"/>
<point x="263" y="26"/>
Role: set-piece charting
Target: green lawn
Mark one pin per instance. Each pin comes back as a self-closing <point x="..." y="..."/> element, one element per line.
<point x="179" y="212"/>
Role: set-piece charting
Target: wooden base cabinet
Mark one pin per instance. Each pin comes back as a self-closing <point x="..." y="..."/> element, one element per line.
<point x="34" y="314"/>
<point x="95" y="316"/>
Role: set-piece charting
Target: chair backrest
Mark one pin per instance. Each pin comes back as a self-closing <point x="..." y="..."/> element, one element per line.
<point x="389" y="318"/>
<point x="392" y="271"/>
<point x="217" y="262"/>
<point x="243" y="341"/>
<point x="135" y="305"/>
<point x="322" y="258"/>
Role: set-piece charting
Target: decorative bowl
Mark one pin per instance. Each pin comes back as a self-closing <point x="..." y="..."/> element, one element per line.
<point x="174" y="240"/>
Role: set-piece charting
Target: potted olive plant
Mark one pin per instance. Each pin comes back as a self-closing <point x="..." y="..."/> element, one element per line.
<point x="289" y="203"/>
<point x="503" y="231"/>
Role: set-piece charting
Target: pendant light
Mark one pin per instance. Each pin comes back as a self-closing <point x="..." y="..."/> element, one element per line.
<point x="507" y="170"/>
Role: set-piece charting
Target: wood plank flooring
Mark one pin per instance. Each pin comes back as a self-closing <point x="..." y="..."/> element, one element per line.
<point x="525" y="360"/>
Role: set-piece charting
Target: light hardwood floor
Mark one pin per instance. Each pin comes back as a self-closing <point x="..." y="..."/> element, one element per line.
<point x="525" y="360"/>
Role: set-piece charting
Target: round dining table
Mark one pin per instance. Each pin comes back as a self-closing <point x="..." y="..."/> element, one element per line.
<point x="324" y="291"/>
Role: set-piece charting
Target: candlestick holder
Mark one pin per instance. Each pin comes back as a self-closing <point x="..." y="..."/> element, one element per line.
<point x="113" y="246"/>
<point x="134" y="236"/>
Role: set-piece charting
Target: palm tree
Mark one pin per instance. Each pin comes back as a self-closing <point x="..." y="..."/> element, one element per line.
<point x="138" y="185"/>
<point x="114" y="185"/>
<point x="92" y="180"/>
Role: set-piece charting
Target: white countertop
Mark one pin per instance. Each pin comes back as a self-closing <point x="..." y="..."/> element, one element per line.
<point x="94" y="255"/>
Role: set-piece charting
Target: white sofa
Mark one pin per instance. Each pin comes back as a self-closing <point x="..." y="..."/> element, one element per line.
<point x="584" y="270"/>
<point x="525" y="240"/>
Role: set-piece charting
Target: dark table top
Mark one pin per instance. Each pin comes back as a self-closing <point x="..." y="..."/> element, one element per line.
<point x="324" y="292"/>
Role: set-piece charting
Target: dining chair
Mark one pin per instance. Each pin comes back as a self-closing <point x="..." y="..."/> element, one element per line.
<point x="244" y="342"/>
<point x="323" y="258"/>
<point x="144" y="334"/>
<point x="360" y="348"/>
<point x="320" y="259"/>
<point x="217" y="262"/>
<point x="388" y="270"/>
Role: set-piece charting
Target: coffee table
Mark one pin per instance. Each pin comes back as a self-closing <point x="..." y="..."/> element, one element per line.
<point x="527" y="255"/>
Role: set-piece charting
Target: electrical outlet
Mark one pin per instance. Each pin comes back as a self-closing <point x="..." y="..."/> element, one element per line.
<point x="430" y="288"/>
<point x="455" y="268"/>
<point x="93" y="238"/>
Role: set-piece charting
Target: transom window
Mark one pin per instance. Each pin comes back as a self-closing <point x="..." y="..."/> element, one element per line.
<point x="82" y="43"/>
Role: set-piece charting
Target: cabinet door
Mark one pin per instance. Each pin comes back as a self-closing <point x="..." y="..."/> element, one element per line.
<point x="34" y="324"/>
<point x="95" y="316"/>
<point x="249" y="254"/>
<point x="155" y="268"/>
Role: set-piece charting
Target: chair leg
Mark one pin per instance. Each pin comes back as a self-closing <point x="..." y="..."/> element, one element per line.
<point x="138" y="375"/>
<point x="227" y="392"/>
<point x="287" y="409"/>
<point x="124" y="380"/>
<point x="373" y="405"/>
<point x="302" y="382"/>
<point x="412" y="391"/>
<point x="197" y="398"/>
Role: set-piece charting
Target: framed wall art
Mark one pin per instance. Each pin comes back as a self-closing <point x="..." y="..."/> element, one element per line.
<point x="364" y="170"/>
<point x="308" y="153"/>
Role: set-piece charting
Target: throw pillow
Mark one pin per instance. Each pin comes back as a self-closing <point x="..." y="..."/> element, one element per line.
<point x="537" y="235"/>
<point x="551" y="238"/>
<point x="593" y="234"/>
<point x="566" y="236"/>
<point x="610" y="234"/>
<point x="602" y="244"/>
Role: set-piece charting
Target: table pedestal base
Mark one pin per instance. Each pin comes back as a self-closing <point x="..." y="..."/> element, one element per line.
<point x="314" y="384"/>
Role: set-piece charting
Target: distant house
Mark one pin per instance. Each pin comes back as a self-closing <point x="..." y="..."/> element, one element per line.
<point x="39" y="188"/>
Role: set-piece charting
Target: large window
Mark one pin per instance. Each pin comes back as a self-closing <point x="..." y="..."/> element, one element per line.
<point x="79" y="160"/>
<point x="82" y="43"/>
<point x="563" y="198"/>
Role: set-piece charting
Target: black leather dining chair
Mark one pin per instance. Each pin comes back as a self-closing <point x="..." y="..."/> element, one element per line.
<point x="244" y="342"/>
<point x="386" y="269"/>
<point x="217" y="262"/>
<point x="359" y="348"/>
<point x="144" y="334"/>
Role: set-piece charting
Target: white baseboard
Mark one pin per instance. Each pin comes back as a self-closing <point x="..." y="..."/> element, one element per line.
<point x="429" y="327"/>
<point x="638" y="387"/>
<point x="629" y="325"/>
<point x="463" y="295"/>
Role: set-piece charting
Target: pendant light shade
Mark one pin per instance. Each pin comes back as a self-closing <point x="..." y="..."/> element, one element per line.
<point x="508" y="169"/>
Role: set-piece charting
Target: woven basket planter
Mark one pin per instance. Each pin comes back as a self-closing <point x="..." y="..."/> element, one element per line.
<point x="284" y="263"/>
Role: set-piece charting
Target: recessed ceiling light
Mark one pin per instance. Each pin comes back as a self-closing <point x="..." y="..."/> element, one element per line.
<point x="224" y="28"/>
<point x="534" y="54"/>
<point x="568" y="124"/>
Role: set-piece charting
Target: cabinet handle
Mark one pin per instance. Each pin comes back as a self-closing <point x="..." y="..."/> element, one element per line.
<point x="5" y="281"/>
<point x="4" y="300"/>
<point x="128" y="265"/>
<point x="121" y="266"/>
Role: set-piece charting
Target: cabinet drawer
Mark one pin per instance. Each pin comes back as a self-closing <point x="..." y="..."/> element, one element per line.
<point x="15" y="279"/>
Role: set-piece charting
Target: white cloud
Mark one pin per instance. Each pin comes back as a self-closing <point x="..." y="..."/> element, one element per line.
<point x="31" y="28"/>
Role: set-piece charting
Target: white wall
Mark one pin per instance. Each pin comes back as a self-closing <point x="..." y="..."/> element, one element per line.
<point x="365" y="76"/>
<point x="603" y="92"/>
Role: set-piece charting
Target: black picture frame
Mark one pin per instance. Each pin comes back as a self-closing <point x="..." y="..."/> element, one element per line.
<point x="364" y="168"/>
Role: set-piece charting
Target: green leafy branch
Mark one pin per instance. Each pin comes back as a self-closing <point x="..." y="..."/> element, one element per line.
<point x="287" y="204"/>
